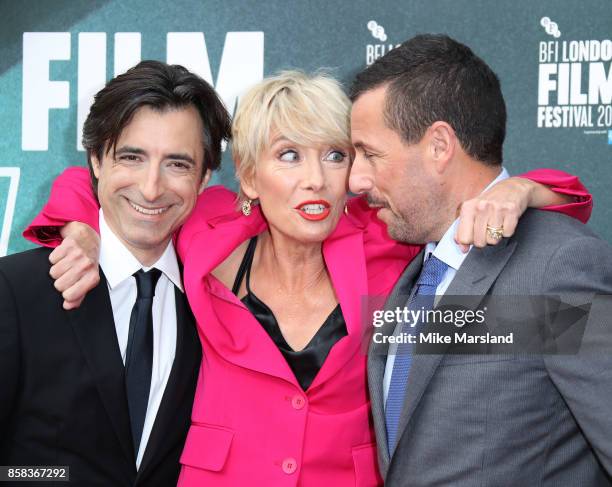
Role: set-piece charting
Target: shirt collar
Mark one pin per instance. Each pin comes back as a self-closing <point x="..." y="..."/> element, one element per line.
<point x="118" y="263"/>
<point x="447" y="249"/>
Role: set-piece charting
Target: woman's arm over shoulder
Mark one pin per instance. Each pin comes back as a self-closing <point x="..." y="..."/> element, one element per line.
<point x="568" y="184"/>
<point x="71" y="199"/>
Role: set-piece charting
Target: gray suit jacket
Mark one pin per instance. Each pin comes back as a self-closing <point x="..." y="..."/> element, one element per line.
<point x="510" y="419"/>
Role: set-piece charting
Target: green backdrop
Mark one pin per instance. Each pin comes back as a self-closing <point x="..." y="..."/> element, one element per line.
<point x="553" y="58"/>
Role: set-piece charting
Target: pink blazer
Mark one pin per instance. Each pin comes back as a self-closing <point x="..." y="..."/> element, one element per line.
<point x="251" y="423"/>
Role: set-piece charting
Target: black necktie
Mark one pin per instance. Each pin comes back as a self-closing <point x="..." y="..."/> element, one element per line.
<point x="139" y="353"/>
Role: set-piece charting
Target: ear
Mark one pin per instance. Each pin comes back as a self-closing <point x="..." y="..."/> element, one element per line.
<point x="95" y="164"/>
<point x="248" y="188"/>
<point x="442" y="143"/>
<point x="248" y="184"/>
<point x="205" y="180"/>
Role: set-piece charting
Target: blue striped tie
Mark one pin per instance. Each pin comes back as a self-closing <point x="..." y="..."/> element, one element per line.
<point x="431" y="276"/>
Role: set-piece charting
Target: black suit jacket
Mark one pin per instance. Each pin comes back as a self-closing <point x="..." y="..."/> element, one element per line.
<point x="62" y="393"/>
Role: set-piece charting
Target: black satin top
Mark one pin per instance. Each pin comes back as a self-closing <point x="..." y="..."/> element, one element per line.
<point x="307" y="362"/>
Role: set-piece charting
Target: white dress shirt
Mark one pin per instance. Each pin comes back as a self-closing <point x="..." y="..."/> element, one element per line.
<point x="451" y="254"/>
<point x="118" y="265"/>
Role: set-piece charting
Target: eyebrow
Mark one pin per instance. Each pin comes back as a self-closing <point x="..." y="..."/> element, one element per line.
<point x="126" y="149"/>
<point x="279" y="138"/>
<point x="363" y="146"/>
<point x="181" y="157"/>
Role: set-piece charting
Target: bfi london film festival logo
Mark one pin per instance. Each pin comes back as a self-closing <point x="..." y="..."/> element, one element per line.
<point x="574" y="82"/>
<point x="376" y="50"/>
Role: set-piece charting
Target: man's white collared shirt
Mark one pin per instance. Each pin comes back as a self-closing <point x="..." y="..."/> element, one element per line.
<point x="451" y="254"/>
<point x="118" y="265"/>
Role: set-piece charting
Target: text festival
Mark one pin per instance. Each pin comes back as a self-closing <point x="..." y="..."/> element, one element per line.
<point x="575" y="84"/>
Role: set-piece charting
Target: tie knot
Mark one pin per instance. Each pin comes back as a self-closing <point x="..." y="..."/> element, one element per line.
<point x="146" y="282"/>
<point x="432" y="272"/>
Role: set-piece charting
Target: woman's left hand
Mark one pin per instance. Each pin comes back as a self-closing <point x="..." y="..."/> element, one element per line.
<point x="494" y="214"/>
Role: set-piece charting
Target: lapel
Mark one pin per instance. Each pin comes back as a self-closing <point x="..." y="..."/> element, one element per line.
<point x="230" y="230"/>
<point x="474" y="278"/>
<point x="345" y="260"/>
<point x="167" y="429"/>
<point x="377" y="354"/>
<point x="249" y="345"/>
<point x="231" y="329"/>
<point x="94" y="327"/>
<point x="236" y="335"/>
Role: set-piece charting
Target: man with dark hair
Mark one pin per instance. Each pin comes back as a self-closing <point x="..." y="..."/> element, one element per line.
<point x="160" y="87"/>
<point x="428" y="125"/>
<point x="107" y="389"/>
<point x="435" y="78"/>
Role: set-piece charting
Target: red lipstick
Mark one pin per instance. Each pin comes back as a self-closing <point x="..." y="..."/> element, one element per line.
<point x="314" y="210"/>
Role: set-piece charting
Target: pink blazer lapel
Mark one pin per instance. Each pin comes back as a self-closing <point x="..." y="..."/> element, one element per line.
<point x="209" y="248"/>
<point x="345" y="260"/>
<point x="229" y="326"/>
<point x="224" y="321"/>
<point x="237" y="335"/>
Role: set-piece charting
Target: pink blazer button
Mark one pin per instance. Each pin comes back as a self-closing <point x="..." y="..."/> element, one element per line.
<point x="298" y="402"/>
<point x="289" y="465"/>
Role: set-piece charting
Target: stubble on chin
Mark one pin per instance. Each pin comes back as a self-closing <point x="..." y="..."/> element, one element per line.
<point x="420" y="224"/>
<point x="406" y="235"/>
<point x="407" y="229"/>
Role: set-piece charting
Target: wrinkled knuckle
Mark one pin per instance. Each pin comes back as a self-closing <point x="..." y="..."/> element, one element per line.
<point x="510" y="207"/>
<point x="467" y="211"/>
<point x="470" y="204"/>
<point x="79" y="267"/>
<point x="483" y="205"/>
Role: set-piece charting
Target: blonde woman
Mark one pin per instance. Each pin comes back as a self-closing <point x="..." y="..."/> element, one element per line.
<point x="275" y="283"/>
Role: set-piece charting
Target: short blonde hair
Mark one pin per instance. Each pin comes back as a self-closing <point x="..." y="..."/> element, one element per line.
<point x="307" y="109"/>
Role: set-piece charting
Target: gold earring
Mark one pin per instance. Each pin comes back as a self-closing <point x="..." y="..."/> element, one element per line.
<point x="246" y="207"/>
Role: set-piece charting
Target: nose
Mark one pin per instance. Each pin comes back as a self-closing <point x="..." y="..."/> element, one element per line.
<point x="314" y="176"/>
<point x="361" y="178"/>
<point x="151" y="185"/>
